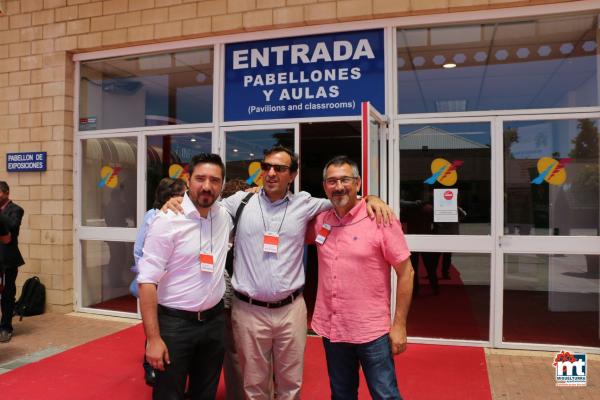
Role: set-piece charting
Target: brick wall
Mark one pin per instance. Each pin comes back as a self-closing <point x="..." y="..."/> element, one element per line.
<point x="37" y="38"/>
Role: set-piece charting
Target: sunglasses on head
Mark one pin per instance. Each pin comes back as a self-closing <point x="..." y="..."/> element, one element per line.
<point x="266" y="167"/>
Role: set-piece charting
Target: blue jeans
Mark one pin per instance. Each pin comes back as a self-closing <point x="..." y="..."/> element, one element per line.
<point x="377" y="363"/>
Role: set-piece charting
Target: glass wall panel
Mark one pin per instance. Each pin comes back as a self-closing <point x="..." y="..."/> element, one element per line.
<point x="374" y="157"/>
<point x="544" y="62"/>
<point x="169" y="155"/>
<point x="244" y="151"/>
<point x="438" y="157"/>
<point x="551" y="171"/>
<point x="551" y="299"/>
<point x="159" y="89"/>
<point x="109" y="179"/>
<point x="106" y="275"/>
<point x="451" y="296"/>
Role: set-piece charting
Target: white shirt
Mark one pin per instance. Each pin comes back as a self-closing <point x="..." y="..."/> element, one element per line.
<point x="268" y="276"/>
<point x="171" y="257"/>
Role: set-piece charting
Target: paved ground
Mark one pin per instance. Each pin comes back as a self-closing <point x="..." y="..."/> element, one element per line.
<point x="513" y="374"/>
<point x="43" y="335"/>
<point x="530" y="375"/>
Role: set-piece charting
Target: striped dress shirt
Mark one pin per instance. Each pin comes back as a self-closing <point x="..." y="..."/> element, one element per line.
<point x="267" y="276"/>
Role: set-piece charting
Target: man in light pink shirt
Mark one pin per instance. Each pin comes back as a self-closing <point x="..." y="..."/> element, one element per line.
<point x="352" y="310"/>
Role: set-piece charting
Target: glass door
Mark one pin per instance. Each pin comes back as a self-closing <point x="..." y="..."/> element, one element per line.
<point x="374" y="151"/>
<point x="549" y="232"/>
<point x="107" y="219"/>
<point x="242" y="149"/>
<point x="447" y="212"/>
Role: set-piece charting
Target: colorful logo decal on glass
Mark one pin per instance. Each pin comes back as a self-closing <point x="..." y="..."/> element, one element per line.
<point x="444" y="172"/>
<point x="254" y="174"/>
<point x="109" y="177"/>
<point x="552" y="171"/>
<point x="176" y="171"/>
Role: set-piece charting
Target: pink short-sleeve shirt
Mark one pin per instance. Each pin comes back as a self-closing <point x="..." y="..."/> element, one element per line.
<point x="353" y="297"/>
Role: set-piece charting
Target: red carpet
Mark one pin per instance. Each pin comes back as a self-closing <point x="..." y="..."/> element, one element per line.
<point x="110" y="368"/>
<point x="459" y="311"/>
<point x="126" y="303"/>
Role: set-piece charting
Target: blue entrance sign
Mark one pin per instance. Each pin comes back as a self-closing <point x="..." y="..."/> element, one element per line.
<point x="309" y="76"/>
<point x="25" y="162"/>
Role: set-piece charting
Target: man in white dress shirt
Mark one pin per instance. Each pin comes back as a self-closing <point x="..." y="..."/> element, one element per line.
<point x="181" y="286"/>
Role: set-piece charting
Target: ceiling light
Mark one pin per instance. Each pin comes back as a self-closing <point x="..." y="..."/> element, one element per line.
<point x="235" y="150"/>
<point x="449" y="65"/>
<point x="192" y="139"/>
<point x="251" y="154"/>
<point x="460" y="58"/>
<point x="201" y="77"/>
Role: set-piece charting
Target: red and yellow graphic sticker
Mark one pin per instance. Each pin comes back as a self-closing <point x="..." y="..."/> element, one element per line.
<point x="254" y="174"/>
<point x="552" y="171"/>
<point x="109" y="177"/>
<point x="444" y="172"/>
<point x="176" y="171"/>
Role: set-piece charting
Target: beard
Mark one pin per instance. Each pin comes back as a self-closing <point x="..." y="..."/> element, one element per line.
<point x="340" y="199"/>
<point x="205" y="199"/>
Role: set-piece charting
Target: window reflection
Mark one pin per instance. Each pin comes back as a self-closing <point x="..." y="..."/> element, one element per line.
<point x="551" y="299"/>
<point x="160" y="89"/>
<point x="542" y="63"/>
<point x="551" y="173"/>
<point x="109" y="181"/>
<point x="106" y="275"/>
<point x="451" y="296"/>
<point x="374" y="157"/>
<point x="439" y="156"/>
<point x="244" y="151"/>
<point x="169" y="156"/>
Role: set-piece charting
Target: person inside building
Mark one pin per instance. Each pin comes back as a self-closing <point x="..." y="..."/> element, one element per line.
<point x="352" y="311"/>
<point x="181" y="287"/>
<point x="167" y="188"/>
<point x="10" y="258"/>
<point x="269" y="317"/>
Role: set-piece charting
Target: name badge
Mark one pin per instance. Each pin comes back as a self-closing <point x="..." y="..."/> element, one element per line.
<point x="270" y="242"/>
<point x="206" y="262"/>
<point x="323" y="233"/>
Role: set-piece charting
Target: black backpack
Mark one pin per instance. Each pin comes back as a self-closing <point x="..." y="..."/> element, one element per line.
<point x="32" y="299"/>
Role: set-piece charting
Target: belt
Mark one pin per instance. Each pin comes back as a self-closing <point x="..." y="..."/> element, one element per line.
<point x="276" y="304"/>
<point x="200" y="316"/>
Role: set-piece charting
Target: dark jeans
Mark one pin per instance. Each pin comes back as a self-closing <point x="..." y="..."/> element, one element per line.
<point x="195" y="349"/>
<point x="8" y="298"/>
<point x="377" y="363"/>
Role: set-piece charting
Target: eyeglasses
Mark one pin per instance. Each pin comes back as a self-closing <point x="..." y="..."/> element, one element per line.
<point x="266" y="167"/>
<point x="344" y="180"/>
